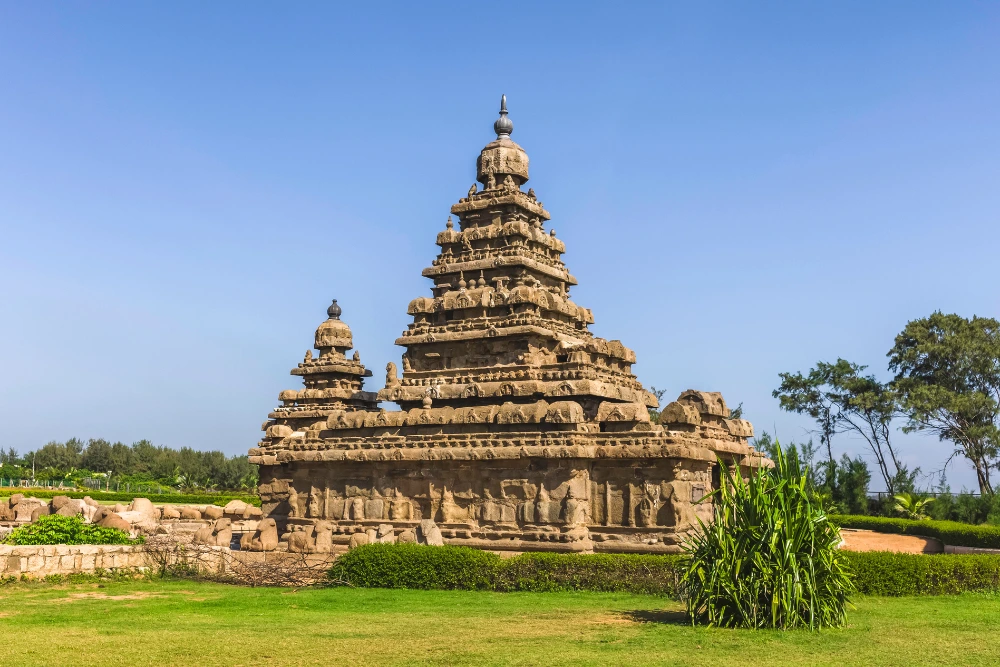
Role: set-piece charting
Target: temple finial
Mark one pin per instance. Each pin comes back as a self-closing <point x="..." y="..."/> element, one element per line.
<point x="334" y="311"/>
<point x="503" y="125"/>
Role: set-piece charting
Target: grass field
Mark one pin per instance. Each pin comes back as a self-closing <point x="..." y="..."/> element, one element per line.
<point x="188" y="623"/>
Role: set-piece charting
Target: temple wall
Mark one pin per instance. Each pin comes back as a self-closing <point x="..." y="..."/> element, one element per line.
<point x="520" y="503"/>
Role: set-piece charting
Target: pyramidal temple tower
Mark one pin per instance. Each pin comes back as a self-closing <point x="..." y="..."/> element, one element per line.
<point x="518" y="428"/>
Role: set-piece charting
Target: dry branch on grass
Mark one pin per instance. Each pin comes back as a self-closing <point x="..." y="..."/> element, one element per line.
<point x="168" y="556"/>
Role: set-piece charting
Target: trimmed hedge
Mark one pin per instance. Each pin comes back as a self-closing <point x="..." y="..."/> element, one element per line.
<point x="890" y="574"/>
<point x="949" y="532"/>
<point x="191" y="499"/>
<point x="609" y="573"/>
<point x="462" y="568"/>
<point x="417" y="566"/>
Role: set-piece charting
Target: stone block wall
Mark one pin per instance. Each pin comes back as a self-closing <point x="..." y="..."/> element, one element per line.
<point x="41" y="561"/>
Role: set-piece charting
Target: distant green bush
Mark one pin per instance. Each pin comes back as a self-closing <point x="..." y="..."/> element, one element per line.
<point x="57" y="529"/>
<point x="949" y="532"/>
<point x="184" y="498"/>
<point x="892" y="575"/>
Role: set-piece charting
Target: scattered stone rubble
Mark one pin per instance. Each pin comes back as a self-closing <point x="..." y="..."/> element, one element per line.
<point x="518" y="429"/>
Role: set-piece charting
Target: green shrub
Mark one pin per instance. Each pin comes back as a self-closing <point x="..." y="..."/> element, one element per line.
<point x="56" y="529"/>
<point x="182" y="498"/>
<point x="949" y="532"/>
<point x="769" y="558"/>
<point x="625" y="573"/>
<point x="891" y="574"/>
<point x="416" y="566"/>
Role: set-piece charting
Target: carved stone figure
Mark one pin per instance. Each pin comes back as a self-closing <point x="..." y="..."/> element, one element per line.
<point x="265" y="538"/>
<point x="313" y="507"/>
<point x="391" y="379"/>
<point x="450" y="511"/>
<point x="647" y="507"/>
<point x="400" y="508"/>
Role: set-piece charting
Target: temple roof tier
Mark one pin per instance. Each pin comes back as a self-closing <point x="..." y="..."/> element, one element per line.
<point x="527" y="230"/>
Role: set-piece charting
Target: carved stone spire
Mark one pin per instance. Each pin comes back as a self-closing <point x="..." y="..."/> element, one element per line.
<point x="503" y="125"/>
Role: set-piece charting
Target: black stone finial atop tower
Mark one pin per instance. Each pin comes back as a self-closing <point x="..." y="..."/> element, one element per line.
<point x="334" y="311"/>
<point x="503" y="125"/>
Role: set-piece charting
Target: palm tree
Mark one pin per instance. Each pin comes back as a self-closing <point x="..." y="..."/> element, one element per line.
<point x="911" y="505"/>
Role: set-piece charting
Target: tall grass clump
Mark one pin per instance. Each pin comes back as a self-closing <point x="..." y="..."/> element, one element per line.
<point x="769" y="559"/>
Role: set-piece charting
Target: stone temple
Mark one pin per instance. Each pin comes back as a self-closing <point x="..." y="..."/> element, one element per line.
<point x="518" y="429"/>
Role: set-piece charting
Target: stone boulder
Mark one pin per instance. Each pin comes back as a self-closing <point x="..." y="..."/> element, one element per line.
<point x="429" y="533"/>
<point x="25" y="507"/>
<point x="407" y="537"/>
<point x="16" y="498"/>
<point x="265" y="538"/>
<point x="70" y="508"/>
<point x="189" y="513"/>
<point x="237" y="509"/>
<point x="57" y="503"/>
<point x="169" y="512"/>
<point x="144" y="506"/>
<point x="213" y="512"/>
<point x="113" y="520"/>
<point x="90" y="501"/>
<point x="39" y="510"/>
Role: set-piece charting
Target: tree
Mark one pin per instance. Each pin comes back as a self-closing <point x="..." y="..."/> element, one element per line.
<point x="842" y="399"/>
<point x="948" y="383"/>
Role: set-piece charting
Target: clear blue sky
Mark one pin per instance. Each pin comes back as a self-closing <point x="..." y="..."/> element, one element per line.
<point x="743" y="189"/>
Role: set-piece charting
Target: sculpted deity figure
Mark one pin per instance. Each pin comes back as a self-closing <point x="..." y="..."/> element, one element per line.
<point x="293" y="502"/>
<point x="391" y="379"/>
<point x="400" y="508"/>
<point x="576" y="510"/>
<point x="357" y="508"/>
<point x="680" y="499"/>
<point x="508" y="183"/>
<point x="407" y="366"/>
<point x="450" y="511"/>
<point x="308" y="357"/>
<point x="472" y="190"/>
<point x="543" y="506"/>
<point x="312" y="508"/>
<point x="647" y="507"/>
<point x="357" y="356"/>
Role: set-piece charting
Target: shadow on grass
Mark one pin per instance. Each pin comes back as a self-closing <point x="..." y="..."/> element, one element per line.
<point x="658" y="616"/>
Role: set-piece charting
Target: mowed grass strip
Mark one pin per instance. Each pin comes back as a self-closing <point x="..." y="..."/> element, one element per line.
<point x="187" y="623"/>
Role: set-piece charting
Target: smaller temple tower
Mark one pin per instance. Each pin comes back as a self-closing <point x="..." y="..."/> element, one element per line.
<point x="332" y="382"/>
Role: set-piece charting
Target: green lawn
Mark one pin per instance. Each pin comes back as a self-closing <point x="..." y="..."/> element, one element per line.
<point x="187" y="623"/>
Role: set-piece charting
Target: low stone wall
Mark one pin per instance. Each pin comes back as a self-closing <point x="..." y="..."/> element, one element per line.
<point x="41" y="561"/>
<point x="255" y="567"/>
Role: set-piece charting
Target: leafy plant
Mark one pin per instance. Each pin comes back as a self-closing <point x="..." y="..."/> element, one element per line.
<point x="56" y="529"/>
<point x="770" y="557"/>
<point x="912" y="505"/>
